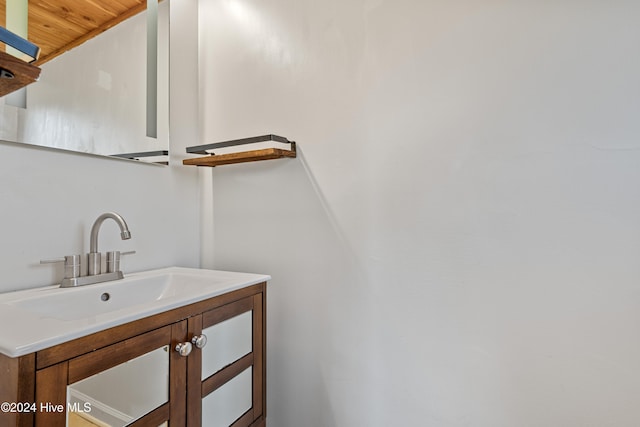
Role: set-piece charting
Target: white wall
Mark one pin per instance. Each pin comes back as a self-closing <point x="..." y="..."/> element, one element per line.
<point x="457" y="243"/>
<point x="49" y="199"/>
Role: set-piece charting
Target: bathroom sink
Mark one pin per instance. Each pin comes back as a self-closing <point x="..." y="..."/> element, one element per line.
<point x="94" y="300"/>
<point x="52" y="315"/>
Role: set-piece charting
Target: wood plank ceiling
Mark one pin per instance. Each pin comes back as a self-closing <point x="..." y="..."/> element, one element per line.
<point x="57" y="26"/>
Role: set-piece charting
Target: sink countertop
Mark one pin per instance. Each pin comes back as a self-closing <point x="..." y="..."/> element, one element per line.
<point x="35" y="319"/>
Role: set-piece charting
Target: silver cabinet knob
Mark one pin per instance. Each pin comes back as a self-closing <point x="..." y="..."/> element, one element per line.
<point x="184" y="348"/>
<point x="199" y="340"/>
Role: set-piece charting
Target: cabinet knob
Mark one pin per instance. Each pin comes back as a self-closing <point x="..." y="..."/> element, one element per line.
<point x="199" y="340"/>
<point x="184" y="348"/>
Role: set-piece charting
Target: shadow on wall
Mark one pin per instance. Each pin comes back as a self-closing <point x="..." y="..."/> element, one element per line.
<point x="271" y="217"/>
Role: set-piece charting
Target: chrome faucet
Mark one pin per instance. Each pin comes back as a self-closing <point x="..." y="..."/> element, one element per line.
<point x="76" y="275"/>
<point x="125" y="234"/>
<point x="95" y="260"/>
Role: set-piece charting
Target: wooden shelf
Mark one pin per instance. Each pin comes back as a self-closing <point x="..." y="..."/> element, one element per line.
<point x="23" y="73"/>
<point x="241" y="157"/>
<point x="257" y="154"/>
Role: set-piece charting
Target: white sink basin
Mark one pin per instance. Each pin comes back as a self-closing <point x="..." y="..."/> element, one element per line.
<point x="52" y="315"/>
<point x="94" y="300"/>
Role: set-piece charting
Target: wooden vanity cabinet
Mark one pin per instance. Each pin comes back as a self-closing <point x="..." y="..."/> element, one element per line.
<point x="42" y="377"/>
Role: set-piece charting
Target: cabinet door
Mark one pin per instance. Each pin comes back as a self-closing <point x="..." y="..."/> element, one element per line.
<point x="134" y="382"/>
<point x="226" y="377"/>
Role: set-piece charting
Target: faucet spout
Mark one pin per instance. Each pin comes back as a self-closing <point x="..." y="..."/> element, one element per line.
<point x="124" y="229"/>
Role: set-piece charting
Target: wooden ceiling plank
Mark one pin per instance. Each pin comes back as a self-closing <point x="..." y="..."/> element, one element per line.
<point x="48" y="16"/>
<point x="78" y="41"/>
<point x="39" y="17"/>
<point x="111" y="8"/>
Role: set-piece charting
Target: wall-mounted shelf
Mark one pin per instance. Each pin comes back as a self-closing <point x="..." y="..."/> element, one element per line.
<point x="159" y="157"/>
<point x="14" y="72"/>
<point x="261" y="152"/>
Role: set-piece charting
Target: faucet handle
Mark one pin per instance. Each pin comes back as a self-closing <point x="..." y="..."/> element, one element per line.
<point x="72" y="265"/>
<point x="52" y="260"/>
<point x="113" y="260"/>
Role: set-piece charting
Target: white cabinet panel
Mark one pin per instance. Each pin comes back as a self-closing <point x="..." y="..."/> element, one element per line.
<point x="227" y="342"/>
<point x="225" y="405"/>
